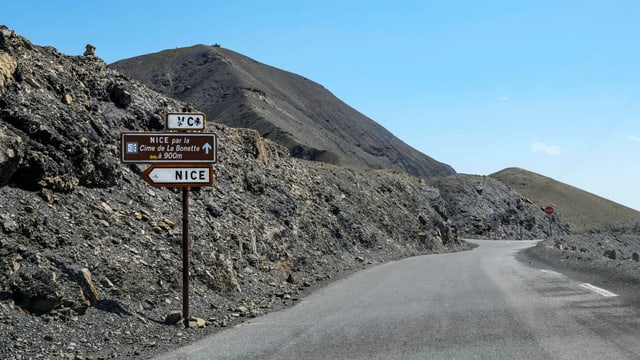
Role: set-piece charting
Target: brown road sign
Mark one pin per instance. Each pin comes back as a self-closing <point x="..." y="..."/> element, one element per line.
<point x="179" y="175"/>
<point x="168" y="148"/>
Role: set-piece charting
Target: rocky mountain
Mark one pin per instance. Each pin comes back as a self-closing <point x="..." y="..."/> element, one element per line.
<point x="295" y="112"/>
<point x="90" y="255"/>
<point x="583" y="211"/>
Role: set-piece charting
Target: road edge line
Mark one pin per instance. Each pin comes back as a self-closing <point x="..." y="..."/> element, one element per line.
<point x="597" y="290"/>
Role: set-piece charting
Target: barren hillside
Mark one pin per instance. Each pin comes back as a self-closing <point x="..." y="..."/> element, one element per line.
<point x="300" y="114"/>
<point x="90" y="254"/>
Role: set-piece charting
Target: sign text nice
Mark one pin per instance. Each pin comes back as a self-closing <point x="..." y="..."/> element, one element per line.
<point x="163" y="143"/>
<point x="191" y="174"/>
<point x="160" y="175"/>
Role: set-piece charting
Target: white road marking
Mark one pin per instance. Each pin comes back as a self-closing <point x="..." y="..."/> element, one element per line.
<point x="597" y="290"/>
<point x="550" y="272"/>
<point x="593" y="288"/>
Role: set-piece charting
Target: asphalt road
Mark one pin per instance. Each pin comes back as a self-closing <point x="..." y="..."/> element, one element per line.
<point x="479" y="304"/>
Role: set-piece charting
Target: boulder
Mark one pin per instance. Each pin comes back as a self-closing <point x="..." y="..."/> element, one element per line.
<point x="9" y="225"/>
<point x="36" y="289"/>
<point x="89" y="50"/>
<point x="8" y="65"/>
<point x="197" y="323"/>
<point x="173" y="317"/>
<point x="11" y="153"/>
<point x="88" y="287"/>
<point x="611" y="254"/>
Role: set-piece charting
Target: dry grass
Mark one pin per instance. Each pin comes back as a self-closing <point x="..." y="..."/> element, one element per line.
<point x="582" y="210"/>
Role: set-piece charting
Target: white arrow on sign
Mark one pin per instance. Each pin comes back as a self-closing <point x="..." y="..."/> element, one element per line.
<point x="179" y="176"/>
<point x="207" y="148"/>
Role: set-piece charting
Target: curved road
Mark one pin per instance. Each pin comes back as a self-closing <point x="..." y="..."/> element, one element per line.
<point x="479" y="304"/>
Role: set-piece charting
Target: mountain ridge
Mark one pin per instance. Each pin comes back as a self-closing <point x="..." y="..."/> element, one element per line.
<point x="290" y="109"/>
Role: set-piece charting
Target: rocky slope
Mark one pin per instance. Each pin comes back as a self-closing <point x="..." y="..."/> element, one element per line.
<point x="611" y="257"/>
<point x="482" y="207"/>
<point x="287" y="108"/>
<point x="90" y="255"/>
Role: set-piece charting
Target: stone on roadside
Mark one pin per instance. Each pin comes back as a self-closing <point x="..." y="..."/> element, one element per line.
<point x="243" y="310"/>
<point x="173" y="317"/>
<point x="611" y="254"/>
<point x="195" y="322"/>
<point x="169" y="222"/>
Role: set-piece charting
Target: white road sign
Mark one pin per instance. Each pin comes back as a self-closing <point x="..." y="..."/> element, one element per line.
<point x="185" y="121"/>
<point x="195" y="175"/>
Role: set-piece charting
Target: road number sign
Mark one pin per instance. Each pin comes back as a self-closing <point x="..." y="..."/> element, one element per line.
<point x="163" y="148"/>
<point x="194" y="175"/>
<point x="185" y="121"/>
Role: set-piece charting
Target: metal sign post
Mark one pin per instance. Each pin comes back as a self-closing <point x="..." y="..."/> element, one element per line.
<point x="179" y="159"/>
<point x="495" y="226"/>
<point x="549" y="211"/>
<point x="185" y="256"/>
<point x="520" y="224"/>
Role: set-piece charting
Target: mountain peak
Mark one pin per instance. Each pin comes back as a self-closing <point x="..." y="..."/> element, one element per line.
<point x="296" y="112"/>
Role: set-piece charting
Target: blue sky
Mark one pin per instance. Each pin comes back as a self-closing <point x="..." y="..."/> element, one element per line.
<point x="549" y="86"/>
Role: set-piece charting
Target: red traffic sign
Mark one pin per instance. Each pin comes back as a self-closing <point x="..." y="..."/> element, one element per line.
<point x="180" y="175"/>
<point x="166" y="148"/>
<point x="185" y="121"/>
<point x="548" y="210"/>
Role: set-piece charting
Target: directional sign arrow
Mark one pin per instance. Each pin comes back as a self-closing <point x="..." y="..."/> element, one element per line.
<point x="207" y="148"/>
<point x="176" y="175"/>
